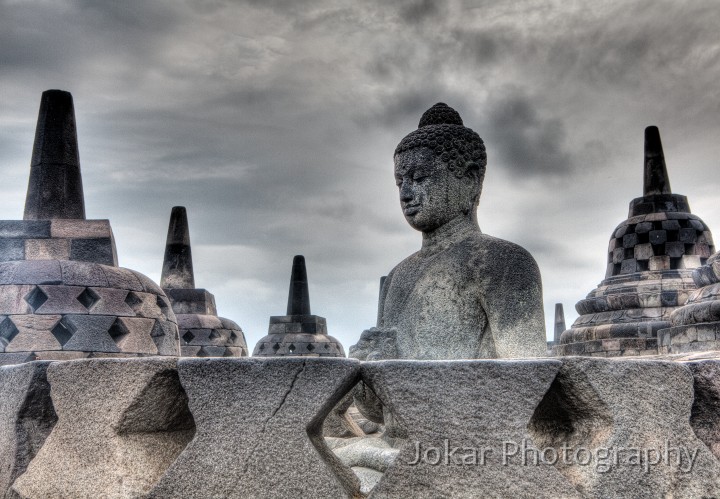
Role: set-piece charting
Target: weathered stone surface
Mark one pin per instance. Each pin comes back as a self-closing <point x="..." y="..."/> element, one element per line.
<point x="11" y="250"/>
<point x="258" y="429"/>
<point x="192" y="301"/>
<point x="121" y="423"/>
<point x="81" y="229"/>
<point x="47" y="249"/>
<point x="24" y="229"/>
<point x="625" y="414"/>
<point x="470" y="405"/>
<point x="432" y="296"/>
<point x="98" y="250"/>
<point x="26" y="418"/>
<point x="706" y="403"/>
<point x="55" y="187"/>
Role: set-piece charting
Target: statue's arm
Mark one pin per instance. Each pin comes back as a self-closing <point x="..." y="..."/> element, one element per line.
<point x="512" y="300"/>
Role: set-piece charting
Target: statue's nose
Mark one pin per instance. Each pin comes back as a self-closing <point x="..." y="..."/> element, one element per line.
<point x="406" y="193"/>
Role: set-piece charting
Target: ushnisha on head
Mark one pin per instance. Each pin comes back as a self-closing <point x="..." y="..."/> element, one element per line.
<point x="439" y="170"/>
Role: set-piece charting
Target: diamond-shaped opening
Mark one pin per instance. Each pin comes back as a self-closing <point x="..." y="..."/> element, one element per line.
<point x="233" y="336"/>
<point x="292" y="348"/>
<point x="215" y="334"/>
<point x="36" y="298"/>
<point x="571" y="414"/>
<point x="262" y="346"/>
<point x="8" y="331"/>
<point x="88" y="298"/>
<point x="228" y="353"/>
<point x="310" y="347"/>
<point x="62" y="332"/>
<point x="188" y="337"/>
<point x="203" y="353"/>
<point x="276" y="347"/>
<point x="163" y="305"/>
<point x="133" y="301"/>
<point x="356" y="435"/>
<point x="118" y="331"/>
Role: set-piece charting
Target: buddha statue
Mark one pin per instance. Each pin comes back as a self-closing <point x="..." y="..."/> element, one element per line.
<point x="464" y="294"/>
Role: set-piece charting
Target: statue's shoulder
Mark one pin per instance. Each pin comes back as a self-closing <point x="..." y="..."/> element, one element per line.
<point x="503" y="258"/>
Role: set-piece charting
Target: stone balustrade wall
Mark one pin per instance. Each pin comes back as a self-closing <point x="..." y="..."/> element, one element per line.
<point x="251" y="427"/>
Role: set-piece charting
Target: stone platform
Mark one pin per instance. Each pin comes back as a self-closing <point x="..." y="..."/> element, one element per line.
<point x="251" y="427"/>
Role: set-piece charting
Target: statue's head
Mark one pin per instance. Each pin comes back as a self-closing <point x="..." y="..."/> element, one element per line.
<point x="439" y="170"/>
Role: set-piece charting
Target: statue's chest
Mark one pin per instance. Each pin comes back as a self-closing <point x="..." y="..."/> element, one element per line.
<point x="434" y="301"/>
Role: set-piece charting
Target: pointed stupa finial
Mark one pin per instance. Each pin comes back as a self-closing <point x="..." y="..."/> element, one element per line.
<point x="55" y="187"/>
<point x="177" y="271"/>
<point x="656" y="177"/>
<point x="559" y="322"/>
<point x="299" y="296"/>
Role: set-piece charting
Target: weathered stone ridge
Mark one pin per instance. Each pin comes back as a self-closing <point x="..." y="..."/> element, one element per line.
<point x="251" y="428"/>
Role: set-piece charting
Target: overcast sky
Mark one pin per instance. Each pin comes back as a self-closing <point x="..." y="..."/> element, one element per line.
<point x="274" y="122"/>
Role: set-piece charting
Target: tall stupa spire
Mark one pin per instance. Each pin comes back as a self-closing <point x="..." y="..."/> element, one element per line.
<point x="55" y="188"/>
<point x="656" y="179"/>
<point x="299" y="296"/>
<point x="177" y="271"/>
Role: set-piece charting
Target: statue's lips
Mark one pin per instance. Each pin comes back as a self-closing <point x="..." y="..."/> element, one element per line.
<point x="411" y="209"/>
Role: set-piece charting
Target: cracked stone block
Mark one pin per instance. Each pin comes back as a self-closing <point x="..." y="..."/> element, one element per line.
<point x="121" y="423"/>
<point x="12" y="300"/>
<point x="12" y="250"/>
<point x="83" y="274"/>
<point x="47" y="249"/>
<point x="27" y="416"/>
<point x="37" y="272"/>
<point x="111" y="302"/>
<point x="259" y="424"/>
<point x="80" y="229"/>
<point x="133" y="335"/>
<point x="469" y="406"/>
<point x="192" y="301"/>
<point x="98" y="250"/>
<point x="144" y="304"/>
<point x="34" y="332"/>
<point x="608" y="407"/>
<point x="706" y="404"/>
<point x="89" y="333"/>
<point x="122" y="279"/>
<point x="61" y="300"/>
<point x="24" y="229"/>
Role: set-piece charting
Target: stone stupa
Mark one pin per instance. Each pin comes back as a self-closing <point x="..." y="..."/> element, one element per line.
<point x="299" y="333"/>
<point x="651" y="257"/>
<point x="202" y="332"/>
<point x="62" y="295"/>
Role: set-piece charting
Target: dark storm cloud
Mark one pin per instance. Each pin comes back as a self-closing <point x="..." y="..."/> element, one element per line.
<point x="526" y="142"/>
<point x="417" y="11"/>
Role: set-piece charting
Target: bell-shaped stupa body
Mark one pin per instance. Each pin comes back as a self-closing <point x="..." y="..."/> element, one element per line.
<point x="651" y="257"/>
<point x="695" y="327"/>
<point x="202" y="332"/>
<point x="62" y="295"/>
<point x="299" y="333"/>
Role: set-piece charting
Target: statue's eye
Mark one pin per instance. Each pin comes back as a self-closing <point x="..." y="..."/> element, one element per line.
<point x="419" y="176"/>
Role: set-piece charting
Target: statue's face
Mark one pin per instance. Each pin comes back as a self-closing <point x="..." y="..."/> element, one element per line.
<point x="430" y="195"/>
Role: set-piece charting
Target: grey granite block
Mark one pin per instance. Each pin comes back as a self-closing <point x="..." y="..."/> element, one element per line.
<point x="258" y="429"/>
<point x="110" y="301"/>
<point x="99" y="250"/>
<point x="478" y="407"/>
<point x="626" y="414"/>
<point x="12" y="250"/>
<point x="121" y="278"/>
<point x="81" y="229"/>
<point x="47" y="249"/>
<point x="121" y="423"/>
<point x="89" y="333"/>
<point x="24" y="229"/>
<point x="27" y="416"/>
<point x="38" y="272"/>
<point x="12" y="300"/>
